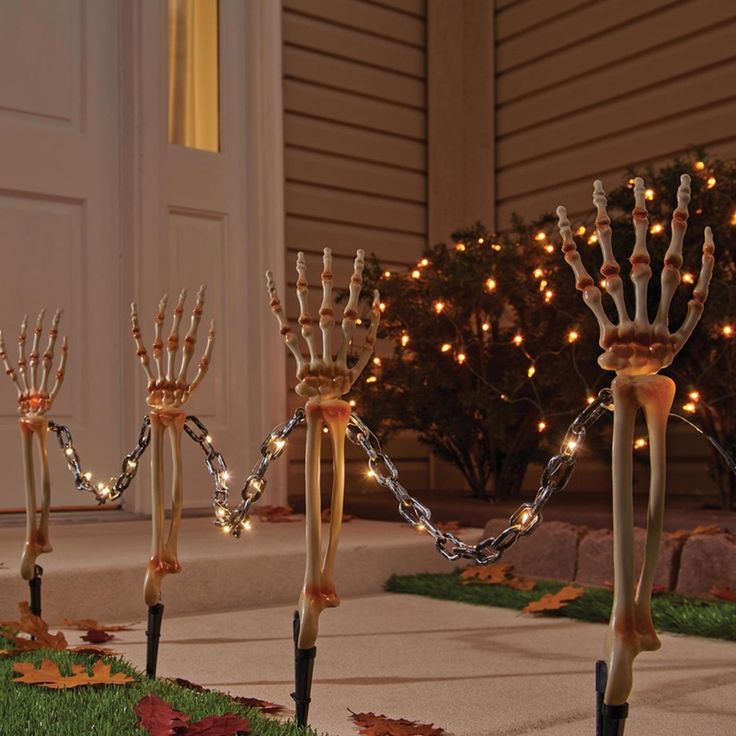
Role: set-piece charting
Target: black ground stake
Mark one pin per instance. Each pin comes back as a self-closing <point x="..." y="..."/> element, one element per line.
<point x="610" y="720"/>
<point x="153" y="634"/>
<point x="34" y="584"/>
<point x="303" y="669"/>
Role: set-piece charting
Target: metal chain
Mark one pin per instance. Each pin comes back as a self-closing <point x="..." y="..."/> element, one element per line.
<point x="114" y="488"/>
<point x="235" y="520"/>
<point x="523" y="521"/>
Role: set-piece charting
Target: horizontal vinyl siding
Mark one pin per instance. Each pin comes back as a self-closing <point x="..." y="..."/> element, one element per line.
<point x="587" y="89"/>
<point x="355" y="133"/>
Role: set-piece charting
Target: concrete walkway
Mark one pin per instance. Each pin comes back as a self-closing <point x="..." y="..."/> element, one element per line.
<point x="472" y="670"/>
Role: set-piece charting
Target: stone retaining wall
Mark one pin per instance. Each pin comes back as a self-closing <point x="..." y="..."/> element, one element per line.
<point x="690" y="563"/>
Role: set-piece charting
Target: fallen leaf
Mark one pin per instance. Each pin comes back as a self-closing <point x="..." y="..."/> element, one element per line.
<point x="491" y="574"/>
<point x="95" y="650"/>
<point x="181" y="682"/>
<point x="158" y="717"/>
<point x="87" y="624"/>
<point x="265" y="706"/>
<point x="327" y="516"/>
<point x="275" y="514"/>
<point x="448" y="526"/>
<point x="703" y="530"/>
<point x="370" y="724"/>
<point x="48" y="675"/>
<point x="554" y="601"/>
<point x="523" y="584"/>
<point x="228" y="725"/>
<point x="35" y="627"/>
<point x="97" y="636"/>
<point x="724" y="594"/>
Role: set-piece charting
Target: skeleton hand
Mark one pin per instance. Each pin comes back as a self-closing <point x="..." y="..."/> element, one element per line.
<point x="638" y="347"/>
<point x="322" y="378"/>
<point x="34" y="400"/>
<point x="169" y="390"/>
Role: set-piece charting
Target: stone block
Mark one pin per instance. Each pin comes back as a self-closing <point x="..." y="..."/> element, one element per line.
<point x="595" y="558"/>
<point x="550" y="551"/>
<point x="707" y="560"/>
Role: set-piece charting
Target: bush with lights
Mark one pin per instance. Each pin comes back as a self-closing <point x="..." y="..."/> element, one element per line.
<point x="487" y="360"/>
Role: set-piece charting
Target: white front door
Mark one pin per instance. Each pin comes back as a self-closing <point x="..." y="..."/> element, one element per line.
<point x="58" y="219"/>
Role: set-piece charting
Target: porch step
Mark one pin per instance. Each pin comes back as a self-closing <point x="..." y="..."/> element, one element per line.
<point x="97" y="570"/>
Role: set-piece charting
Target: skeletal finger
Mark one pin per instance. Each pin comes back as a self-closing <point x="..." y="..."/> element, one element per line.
<point x="350" y="313"/>
<point x="370" y="340"/>
<point x="172" y="344"/>
<point x="583" y="280"/>
<point x="158" y="344"/>
<point x="48" y="355"/>
<point x="641" y="272"/>
<point x="700" y="293"/>
<point x="8" y="368"/>
<point x="33" y="362"/>
<point x="60" y="370"/>
<point x="610" y="269"/>
<point x="670" y="278"/>
<point x="190" y="339"/>
<point x="204" y="361"/>
<point x="285" y="328"/>
<point x="140" y="347"/>
<point x="305" y="317"/>
<point x="25" y="386"/>
<point x="327" y="310"/>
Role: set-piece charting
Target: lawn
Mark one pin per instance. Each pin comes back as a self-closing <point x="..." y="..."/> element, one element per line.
<point x="29" y="710"/>
<point x="673" y="613"/>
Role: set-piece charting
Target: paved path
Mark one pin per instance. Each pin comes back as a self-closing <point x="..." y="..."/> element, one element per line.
<point x="473" y="670"/>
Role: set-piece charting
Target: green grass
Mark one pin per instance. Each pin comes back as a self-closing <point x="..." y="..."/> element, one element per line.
<point x="29" y="710"/>
<point x="674" y="613"/>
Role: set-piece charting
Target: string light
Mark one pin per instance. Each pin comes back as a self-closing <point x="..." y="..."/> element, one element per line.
<point x="657" y="228"/>
<point x="481" y="241"/>
<point x="688" y="278"/>
<point x="404" y="340"/>
<point x="640" y="443"/>
<point x="630" y="182"/>
<point x="649" y="194"/>
<point x="247" y="524"/>
<point x="424" y="262"/>
<point x="88" y="476"/>
<point x="461" y="358"/>
<point x="541" y="426"/>
<point x="376" y="360"/>
<point x="590" y="399"/>
<point x="382" y="306"/>
<point x="540" y="236"/>
<point x="370" y="474"/>
<point x="496" y="246"/>
<point x="727" y="330"/>
<point x="460" y="247"/>
<point x="325" y="430"/>
<point x="485" y="327"/>
<point x="226" y="528"/>
<point x="531" y="371"/>
<point x="387" y="274"/>
<point x="439" y="307"/>
<point x="371" y="379"/>
<point x="699" y="165"/>
<point x="221" y="512"/>
<point x="694" y="395"/>
<point x="543" y="284"/>
<point x="710" y="182"/>
<point x="518" y="339"/>
<point x="416" y="273"/>
<point x="689" y="407"/>
<point x="359" y="321"/>
<point x="538" y="273"/>
<point x="491" y="284"/>
<point x="446" y="347"/>
<point x="548" y="295"/>
<point x="602" y="283"/>
<point x="593" y="239"/>
<point x="571" y="445"/>
<point x="581" y="231"/>
<point x="572" y="336"/>
<point x="733" y="218"/>
<point x="352" y="402"/>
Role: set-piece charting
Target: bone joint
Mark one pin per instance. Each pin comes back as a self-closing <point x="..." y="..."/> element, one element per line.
<point x="34" y="400"/>
<point x="168" y="390"/>
<point x="323" y="379"/>
<point x="636" y="350"/>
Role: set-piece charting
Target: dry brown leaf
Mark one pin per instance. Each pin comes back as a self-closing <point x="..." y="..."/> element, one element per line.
<point x="448" y="526"/>
<point x="554" y="601"/>
<point x="723" y="593"/>
<point x="523" y="584"/>
<point x="265" y="706"/>
<point x="160" y="719"/>
<point x="371" y="724"/>
<point x="327" y="516"/>
<point x="48" y="675"/>
<point x="36" y="627"/>
<point x="97" y="636"/>
<point x="274" y="514"/>
<point x="491" y="574"/>
<point x="87" y="624"/>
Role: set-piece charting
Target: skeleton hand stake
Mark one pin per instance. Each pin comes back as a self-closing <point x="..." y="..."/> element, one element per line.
<point x="167" y="393"/>
<point x="34" y="400"/>
<point x="636" y="350"/>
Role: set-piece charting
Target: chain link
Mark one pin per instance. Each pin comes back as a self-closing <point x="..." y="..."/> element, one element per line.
<point x="522" y="522"/>
<point x="114" y="488"/>
<point x="235" y="520"/>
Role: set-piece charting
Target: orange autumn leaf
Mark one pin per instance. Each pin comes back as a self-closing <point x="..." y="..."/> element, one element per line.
<point x="35" y="627"/>
<point x="89" y="624"/>
<point x="704" y="530"/>
<point x="274" y="514"/>
<point x="554" y="601"/>
<point x="491" y="575"/>
<point x="48" y="675"/>
<point x="448" y="526"/>
<point x="723" y="593"/>
<point x="523" y="584"/>
<point x="371" y="724"/>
